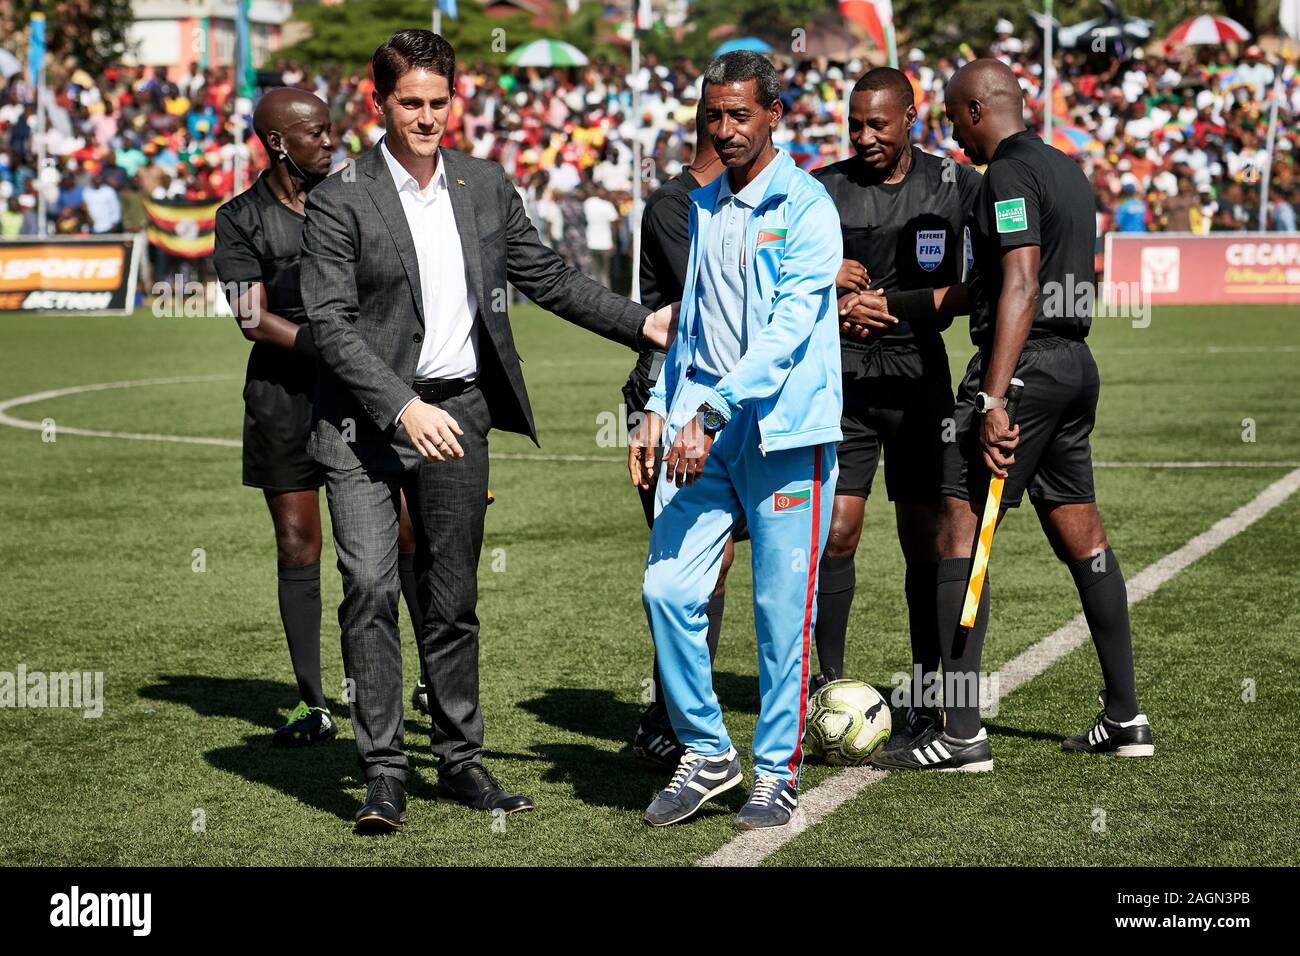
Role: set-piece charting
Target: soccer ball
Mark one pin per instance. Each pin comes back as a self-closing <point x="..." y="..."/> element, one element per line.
<point x="847" y="721"/>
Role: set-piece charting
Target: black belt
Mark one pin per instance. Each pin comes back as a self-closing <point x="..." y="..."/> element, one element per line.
<point x="434" y="390"/>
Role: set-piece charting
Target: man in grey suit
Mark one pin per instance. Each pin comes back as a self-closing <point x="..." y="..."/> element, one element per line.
<point x="406" y="256"/>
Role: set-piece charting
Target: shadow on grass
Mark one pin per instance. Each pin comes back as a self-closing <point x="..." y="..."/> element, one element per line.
<point x="1001" y="730"/>
<point x="319" y="776"/>
<point x="596" y="712"/>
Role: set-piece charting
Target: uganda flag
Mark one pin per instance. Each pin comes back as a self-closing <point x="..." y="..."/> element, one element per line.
<point x="183" y="227"/>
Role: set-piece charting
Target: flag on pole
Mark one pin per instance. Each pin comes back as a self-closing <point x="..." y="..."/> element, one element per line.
<point x="644" y="18"/>
<point x="1290" y="17"/>
<point x="449" y="7"/>
<point x="36" y="47"/>
<point x="874" y="16"/>
<point x="245" y="75"/>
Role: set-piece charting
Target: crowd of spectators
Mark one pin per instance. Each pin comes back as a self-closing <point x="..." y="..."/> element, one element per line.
<point x="1171" y="140"/>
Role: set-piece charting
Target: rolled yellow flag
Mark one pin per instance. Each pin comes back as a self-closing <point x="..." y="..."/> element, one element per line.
<point x="988" y="524"/>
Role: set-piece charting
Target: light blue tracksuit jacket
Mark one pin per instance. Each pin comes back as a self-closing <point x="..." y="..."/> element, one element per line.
<point x="773" y="465"/>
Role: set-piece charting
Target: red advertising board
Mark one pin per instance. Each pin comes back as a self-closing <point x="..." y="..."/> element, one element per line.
<point x="1184" y="269"/>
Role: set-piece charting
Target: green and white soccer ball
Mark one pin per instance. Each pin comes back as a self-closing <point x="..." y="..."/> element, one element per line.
<point x="847" y="721"/>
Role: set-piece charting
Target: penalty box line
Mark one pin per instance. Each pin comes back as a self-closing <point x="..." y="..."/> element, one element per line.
<point x="755" y="846"/>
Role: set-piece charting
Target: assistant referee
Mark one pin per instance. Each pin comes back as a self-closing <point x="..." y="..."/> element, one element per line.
<point x="1033" y="235"/>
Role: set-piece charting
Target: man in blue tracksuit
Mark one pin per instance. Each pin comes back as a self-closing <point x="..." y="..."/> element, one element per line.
<point x="749" y="405"/>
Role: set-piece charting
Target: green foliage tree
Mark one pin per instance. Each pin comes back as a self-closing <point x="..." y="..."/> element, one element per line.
<point x="349" y="32"/>
<point x="90" y="32"/>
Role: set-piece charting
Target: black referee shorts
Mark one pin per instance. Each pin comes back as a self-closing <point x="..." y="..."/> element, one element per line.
<point x="896" y="399"/>
<point x="278" y="394"/>
<point x="1057" y="412"/>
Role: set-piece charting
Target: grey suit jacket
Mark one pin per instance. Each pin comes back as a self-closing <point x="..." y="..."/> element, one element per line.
<point x="361" y="289"/>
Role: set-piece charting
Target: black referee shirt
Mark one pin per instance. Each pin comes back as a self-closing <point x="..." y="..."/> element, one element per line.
<point x="1035" y="195"/>
<point x="910" y="234"/>
<point x="257" y="240"/>
<point x="665" y="241"/>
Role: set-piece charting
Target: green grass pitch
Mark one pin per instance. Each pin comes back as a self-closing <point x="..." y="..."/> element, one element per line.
<point x="96" y="544"/>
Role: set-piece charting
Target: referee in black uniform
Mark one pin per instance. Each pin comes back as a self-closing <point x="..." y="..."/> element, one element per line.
<point x="903" y="213"/>
<point x="665" y="249"/>
<point x="256" y="258"/>
<point x="1033" y="234"/>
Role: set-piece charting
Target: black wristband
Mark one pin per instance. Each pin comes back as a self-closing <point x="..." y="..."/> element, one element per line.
<point x="916" y="306"/>
<point x="304" y="344"/>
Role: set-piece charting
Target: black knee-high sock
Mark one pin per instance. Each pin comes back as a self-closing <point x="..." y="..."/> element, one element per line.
<point x="411" y="595"/>
<point x="923" y="623"/>
<point x="960" y="649"/>
<point x="714" y="612"/>
<point x="1104" y="596"/>
<point x="836" y="583"/>
<point x="299" y="590"/>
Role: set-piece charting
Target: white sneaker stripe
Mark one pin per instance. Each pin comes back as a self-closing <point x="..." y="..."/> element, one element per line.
<point x="942" y="750"/>
<point x="930" y="752"/>
<point x="1101" y="729"/>
<point x="921" y="757"/>
<point x="699" y="787"/>
<point x="711" y="775"/>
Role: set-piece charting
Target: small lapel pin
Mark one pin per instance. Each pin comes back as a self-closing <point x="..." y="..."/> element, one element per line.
<point x="460" y="182"/>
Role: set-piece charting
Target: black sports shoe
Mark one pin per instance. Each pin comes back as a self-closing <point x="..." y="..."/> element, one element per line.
<point x="306" y="725"/>
<point x="935" y="750"/>
<point x="420" y="698"/>
<point x="819" y="680"/>
<point x="771" y="804"/>
<point x="1132" y="738"/>
<point x="697" y="778"/>
<point x="916" y="721"/>
<point x="655" y="741"/>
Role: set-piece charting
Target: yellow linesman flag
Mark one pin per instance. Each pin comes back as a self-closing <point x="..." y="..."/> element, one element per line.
<point x="183" y="227"/>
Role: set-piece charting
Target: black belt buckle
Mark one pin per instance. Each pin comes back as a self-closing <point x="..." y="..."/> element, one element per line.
<point x="439" y="390"/>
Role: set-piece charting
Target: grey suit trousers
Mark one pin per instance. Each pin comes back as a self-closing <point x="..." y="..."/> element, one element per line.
<point x="447" y="501"/>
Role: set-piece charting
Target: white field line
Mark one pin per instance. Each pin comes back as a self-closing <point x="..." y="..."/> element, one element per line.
<point x="754" y="846"/>
<point x="30" y="425"/>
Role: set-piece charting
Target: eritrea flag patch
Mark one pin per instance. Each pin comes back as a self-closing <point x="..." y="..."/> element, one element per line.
<point x="770" y="239"/>
<point x="789" y="502"/>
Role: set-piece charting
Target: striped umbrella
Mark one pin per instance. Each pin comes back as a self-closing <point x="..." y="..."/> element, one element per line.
<point x="547" y="53"/>
<point x="1208" y="31"/>
<point x="1073" y="139"/>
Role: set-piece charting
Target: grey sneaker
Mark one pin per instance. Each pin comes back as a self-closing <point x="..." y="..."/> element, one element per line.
<point x="771" y="804"/>
<point x="697" y="778"/>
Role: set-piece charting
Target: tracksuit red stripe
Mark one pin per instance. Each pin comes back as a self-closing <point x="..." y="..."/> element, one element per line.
<point x="797" y="759"/>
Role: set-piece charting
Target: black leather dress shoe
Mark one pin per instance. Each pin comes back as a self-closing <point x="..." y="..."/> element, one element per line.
<point x="385" y="808"/>
<point x="477" y="789"/>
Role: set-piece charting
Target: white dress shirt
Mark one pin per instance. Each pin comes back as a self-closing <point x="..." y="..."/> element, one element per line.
<point x="450" y="346"/>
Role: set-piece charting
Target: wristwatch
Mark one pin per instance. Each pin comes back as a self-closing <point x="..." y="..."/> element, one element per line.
<point x="985" y="402"/>
<point x="711" y="418"/>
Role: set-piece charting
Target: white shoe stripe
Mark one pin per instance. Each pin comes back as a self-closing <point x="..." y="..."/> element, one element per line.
<point x="699" y="787"/>
<point x="1101" y="729"/>
<point x="942" y="750"/>
<point x="710" y="775"/>
<point x="930" y="752"/>
<point x="920" y="756"/>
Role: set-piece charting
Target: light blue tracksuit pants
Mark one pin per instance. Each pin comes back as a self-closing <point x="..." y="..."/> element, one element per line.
<point x="786" y="499"/>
